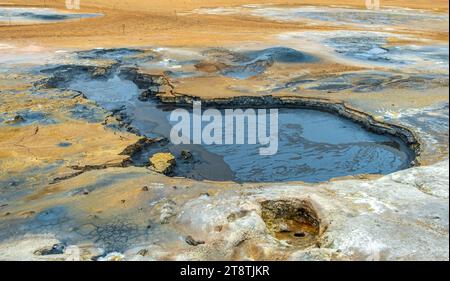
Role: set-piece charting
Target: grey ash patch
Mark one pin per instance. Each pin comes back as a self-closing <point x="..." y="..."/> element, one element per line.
<point x="91" y="114"/>
<point x="27" y="15"/>
<point x="281" y="54"/>
<point x="366" y="82"/>
<point x="375" y="48"/>
<point x="117" y="54"/>
<point x="243" y="65"/>
<point x="64" y="144"/>
<point x="29" y="117"/>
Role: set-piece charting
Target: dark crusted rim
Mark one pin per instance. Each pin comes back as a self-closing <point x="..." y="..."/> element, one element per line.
<point x="337" y="107"/>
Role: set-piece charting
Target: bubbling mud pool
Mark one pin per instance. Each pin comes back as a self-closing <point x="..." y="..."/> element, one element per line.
<point x="314" y="145"/>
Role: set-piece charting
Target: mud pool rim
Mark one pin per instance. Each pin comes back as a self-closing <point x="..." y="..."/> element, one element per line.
<point x="336" y="107"/>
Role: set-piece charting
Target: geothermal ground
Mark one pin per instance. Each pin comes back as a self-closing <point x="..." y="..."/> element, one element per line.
<point x="88" y="172"/>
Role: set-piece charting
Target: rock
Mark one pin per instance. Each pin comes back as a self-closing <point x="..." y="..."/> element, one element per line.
<point x="28" y="214"/>
<point x="17" y="119"/>
<point x="186" y="155"/>
<point x="191" y="241"/>
<point x="114" y="256"/>
<point x="147" y="94"/>
<point x="283" y="227"/>
<point x="143" y="252"/>
<point x="206" y="194"/>
<point x="145" y="188"/>
<point x="56" y="249"/>
<point x="167" y="211"/>
<point x="162" y="163"/>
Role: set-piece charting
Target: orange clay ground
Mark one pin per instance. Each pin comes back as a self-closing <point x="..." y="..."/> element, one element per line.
<point x="158" y="23"/>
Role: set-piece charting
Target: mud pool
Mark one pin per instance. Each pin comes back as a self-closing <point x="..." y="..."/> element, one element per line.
<point x="37" y="15"/>
<point x="313" y="145"/>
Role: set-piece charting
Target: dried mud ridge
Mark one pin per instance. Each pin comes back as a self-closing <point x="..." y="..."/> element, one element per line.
<point x="129" y="151"/>
<point x="159" y="87"/>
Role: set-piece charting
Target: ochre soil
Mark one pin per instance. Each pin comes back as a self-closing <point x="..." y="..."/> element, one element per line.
<point x="159" y="23"/>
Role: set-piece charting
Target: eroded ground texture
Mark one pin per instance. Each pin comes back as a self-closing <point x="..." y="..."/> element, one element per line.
<point x="84" y="102"/>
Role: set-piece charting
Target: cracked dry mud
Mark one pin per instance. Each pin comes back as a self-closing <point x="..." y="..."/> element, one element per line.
<point x="79" y="123"/>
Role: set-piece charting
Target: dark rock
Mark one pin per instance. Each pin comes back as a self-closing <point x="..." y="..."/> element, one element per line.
<point x="143" y="252"/>
<point x="17" y="119"/>
<point x="146" y="95"/>
<point x="56" y="249"/>
<point x="186" y="155"/>
<point x="191" y="241"/>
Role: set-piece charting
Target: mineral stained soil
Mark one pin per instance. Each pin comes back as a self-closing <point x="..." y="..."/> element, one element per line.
<point x="85" y="99"/>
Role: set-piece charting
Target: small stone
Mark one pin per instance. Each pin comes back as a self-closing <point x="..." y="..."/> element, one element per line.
<point x="145" y="188"/>
<point x="28" y="214"/>
<point x="56" y="249"/>
<point x="143" y="252"/>
<point x="191" y="241"/>
<point x="146" y="95"/>
<point x="114" y="256"/>
<point x="16" y="119"/>
<point x="162" y="163"/>
<point x="167" y="211"/>
<point x="186" y="155"/>
<point x="283" y="228"/>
